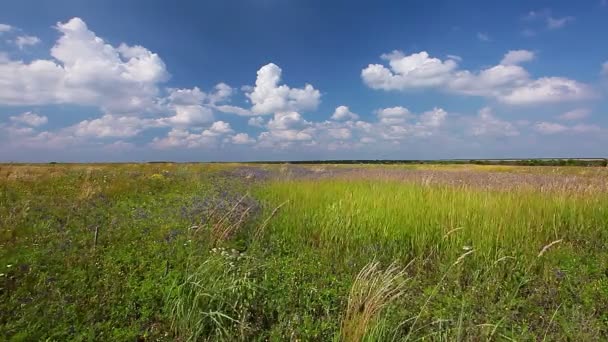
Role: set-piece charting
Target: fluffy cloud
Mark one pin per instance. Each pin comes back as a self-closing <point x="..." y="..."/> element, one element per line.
<point x="179" y="137"/>
<point x="515" y="57"/>
<point x="111" y="126"/>
<point x="343" y="113"/>
<point x="30" y="119"/>
<point x="506" y="82"/>
<point x="406" y="72"/>
<point x="486" y="124"/>
<point x="218" y="128"/>
<point x="576" y="114"/>
<point x="269" y="97"/>
<point x="393" y="115"/>
<point x="189" y="115"/>
<point x="547" y="90"/>
<point x="23" y="41"/>
<point x="256" y="122"/>
<point x="242" y="139"/>
<point x="192" y="96"/>
<point x="85" y="71"/>
<point x="5" y="28"/>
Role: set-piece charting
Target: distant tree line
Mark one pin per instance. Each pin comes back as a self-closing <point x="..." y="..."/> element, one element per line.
<point x="521" y="162"/>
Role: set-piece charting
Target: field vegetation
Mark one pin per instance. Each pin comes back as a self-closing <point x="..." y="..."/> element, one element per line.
<point x="275" y="252"/>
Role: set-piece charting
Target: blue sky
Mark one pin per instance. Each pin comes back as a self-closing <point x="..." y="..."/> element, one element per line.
<point x="294" y="79"/>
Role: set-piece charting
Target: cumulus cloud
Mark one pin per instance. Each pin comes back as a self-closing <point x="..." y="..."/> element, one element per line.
<point x="5" y="28"/>
<point x="393" y="115"/>
<point x="112" y="126"/>
<point x="417" y="70"/>
<point x="189" y="115"/>
<point x="575" y="114"/>
<point x="181" y="137"/>
<point x="269" y="97"/>
<point x="486" y="124"/>
<point x="30" y="119"/>
<point x="186" y="96"/>
<point x="85" y="71"/>
<point x="256" y="122"/>
<point x="343" y="113"/>
<point x="23" y="41"/>
<point x="242" y="139"/>
<point x="507" y="82"/>
<point x="218" y="128"/>
<point x="515" y="57"/>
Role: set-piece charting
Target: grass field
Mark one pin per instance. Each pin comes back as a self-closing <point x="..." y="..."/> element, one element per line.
<point x="189" y="252"/>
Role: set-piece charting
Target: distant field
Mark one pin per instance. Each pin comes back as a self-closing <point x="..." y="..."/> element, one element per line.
<point x="258" y="252"/>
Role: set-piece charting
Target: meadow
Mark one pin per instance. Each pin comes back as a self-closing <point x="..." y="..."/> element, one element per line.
<point x="241" y="252"/>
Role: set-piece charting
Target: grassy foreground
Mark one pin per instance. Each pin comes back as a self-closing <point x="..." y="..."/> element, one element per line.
<point x="212" y="252"/>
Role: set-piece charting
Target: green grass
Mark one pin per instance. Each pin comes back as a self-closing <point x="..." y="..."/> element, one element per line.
<point x="410" y="261"/>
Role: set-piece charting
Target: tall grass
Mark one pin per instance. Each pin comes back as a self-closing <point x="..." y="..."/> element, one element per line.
<point x="509" y="248"/>
<point x="182" y="254"/>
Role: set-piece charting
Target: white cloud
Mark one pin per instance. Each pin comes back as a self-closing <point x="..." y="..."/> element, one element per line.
<point x="604" y="71"/>
<point x="284" y="129"/>
<point x="242" y="139"/>
<point x="547" y="90"/>
<point x="218" y="128"/>
<point x="23" y="41"/>
<point x="287" y="120"/>
<point x="30" y="119"/>
<point x="192" y="96"/>
<point x="5" y="28"/>
<point x="433" y="118"/>
<point x="180" y="137"/>
<point x="576" y="114"/>
<point x="455" y="57"/>
<point x="486" y="124"/>
<point x="269" y="97"/>
<point x="222" y="93"/>
<point x="406" y="72"/>
<point x="189" y="115"/>
<point x="234" y="110"/>
<point x="507" y="83"/>
<point x="393" y="115"/>
<point x="112" y="126"/>
<point x="515" y="57"/>
<point x="343" y="113"/>
<point x="256" y="122"/>
<point x="556" y="23"/>
<point x="550" y="127"/>
<point x="85" y="71"/>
